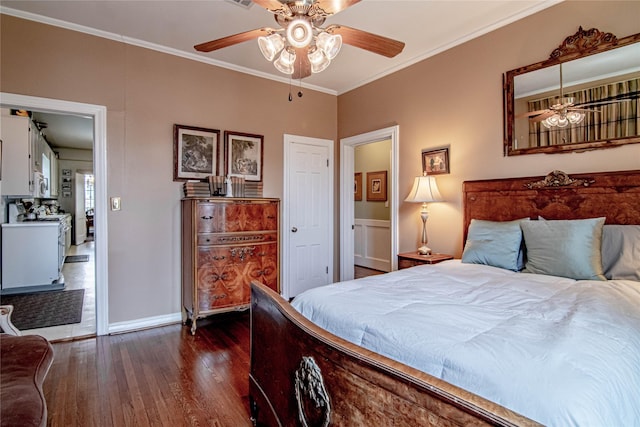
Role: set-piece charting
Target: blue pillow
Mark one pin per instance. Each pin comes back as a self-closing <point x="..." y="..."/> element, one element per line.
<point x="565" y="248"/>
<point x="621" y="252"/>
<point x="495" y="243"/>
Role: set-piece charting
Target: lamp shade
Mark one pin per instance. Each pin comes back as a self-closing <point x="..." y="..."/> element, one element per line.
<point x="424" y="190"/>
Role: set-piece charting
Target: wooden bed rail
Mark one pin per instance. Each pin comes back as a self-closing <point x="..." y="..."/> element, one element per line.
<point x="304" y="375"/>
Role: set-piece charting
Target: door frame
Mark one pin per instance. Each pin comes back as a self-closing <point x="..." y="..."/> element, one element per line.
<point x="286" y="197"/>
<point x="347" y="215"/>
<point x="99" y="115"/>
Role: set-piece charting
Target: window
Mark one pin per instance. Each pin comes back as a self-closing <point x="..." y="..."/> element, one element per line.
<point x="89" y="194"/>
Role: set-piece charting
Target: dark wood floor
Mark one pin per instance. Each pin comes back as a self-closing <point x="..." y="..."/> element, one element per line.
<point x="360" y="272"/>
<point x="157" y="377"/>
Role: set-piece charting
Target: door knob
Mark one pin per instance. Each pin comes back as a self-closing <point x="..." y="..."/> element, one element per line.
<point x="294" y="229"/>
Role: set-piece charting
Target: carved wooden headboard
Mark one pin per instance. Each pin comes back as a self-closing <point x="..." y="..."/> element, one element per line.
<point x="615" y="195"/>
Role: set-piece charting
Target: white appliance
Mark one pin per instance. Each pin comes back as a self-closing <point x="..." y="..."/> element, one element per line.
<point x="40" y="185"/>
<point x="16" y="212"/>
<point x="31" y="256"/>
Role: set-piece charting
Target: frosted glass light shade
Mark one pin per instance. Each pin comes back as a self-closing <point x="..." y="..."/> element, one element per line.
<point x="318" y="60"/>
<point x="329" y="44"/>
<point x="284" y="63"/>
<point x="575" y="117"/>
<point x="270" y="46"/>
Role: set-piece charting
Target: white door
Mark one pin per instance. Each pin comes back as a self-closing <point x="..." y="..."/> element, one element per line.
<point x="80" y="222"/>
<point x="307" y="226"/>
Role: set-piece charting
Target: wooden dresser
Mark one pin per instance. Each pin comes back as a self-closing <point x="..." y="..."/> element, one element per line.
<point x="227" y="243"/>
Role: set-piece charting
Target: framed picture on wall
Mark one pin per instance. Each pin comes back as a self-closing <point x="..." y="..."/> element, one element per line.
<point x="196" y="152"/>
<point x="357" y="186"/>
<point x="243" y="155"/>
<point x="435" y="162"/>
<point x="377" y="186"/>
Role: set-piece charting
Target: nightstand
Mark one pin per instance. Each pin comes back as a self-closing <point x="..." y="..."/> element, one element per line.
<point x="411" y="259"/>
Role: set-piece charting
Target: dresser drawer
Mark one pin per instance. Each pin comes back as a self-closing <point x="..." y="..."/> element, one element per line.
<point x="208" y="239"/>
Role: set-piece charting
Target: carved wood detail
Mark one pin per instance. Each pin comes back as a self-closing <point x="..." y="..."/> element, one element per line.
<point x="314" y="407"/>
<point x="583" y="42"/>
<point x="559" y="179"/>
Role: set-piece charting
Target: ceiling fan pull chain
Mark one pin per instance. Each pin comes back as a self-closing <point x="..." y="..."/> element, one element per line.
<point x="300" y="89"/>
<point x="290" y="97"/>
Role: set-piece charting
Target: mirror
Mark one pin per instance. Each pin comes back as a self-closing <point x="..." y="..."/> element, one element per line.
<point x="584" y="97"/>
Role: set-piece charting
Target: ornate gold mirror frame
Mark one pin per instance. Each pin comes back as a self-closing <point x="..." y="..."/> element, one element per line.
<point x="595" y="74"/>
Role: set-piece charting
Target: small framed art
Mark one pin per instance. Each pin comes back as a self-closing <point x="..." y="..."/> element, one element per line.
<point x="435" y="162"/>
<point x="357" y="186"/>
<point x="377" y="186"/>
<point x="243" y="155"/>
<point x="196" y="152"/>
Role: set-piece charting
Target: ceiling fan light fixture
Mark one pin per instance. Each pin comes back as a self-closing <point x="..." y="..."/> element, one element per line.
<point x="299" y="33"/>
<point x="329" y="43"/>
<point x="285" y="61"/>
<point x="318" y="59"/>
<point x="270" y="46"/>
<point x="575" y="117"/>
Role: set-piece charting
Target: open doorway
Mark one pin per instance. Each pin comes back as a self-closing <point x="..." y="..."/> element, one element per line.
<point x="97" y="249"/>
<point x="347" y="203"/>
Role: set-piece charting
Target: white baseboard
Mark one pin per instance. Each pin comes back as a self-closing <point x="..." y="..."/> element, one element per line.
<point x="148" y="322"/>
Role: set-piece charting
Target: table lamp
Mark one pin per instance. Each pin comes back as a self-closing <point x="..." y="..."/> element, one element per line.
<point x="425" y="190"/>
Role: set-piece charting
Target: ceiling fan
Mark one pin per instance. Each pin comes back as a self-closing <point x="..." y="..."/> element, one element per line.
<point x="565" y="111"/>
<point x="304" y="46"/>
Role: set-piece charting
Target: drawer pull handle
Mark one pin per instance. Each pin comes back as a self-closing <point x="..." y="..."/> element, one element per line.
<point x="218" y="258"/>
<point x="242" y="253"/>
<point x="206" y="217"/>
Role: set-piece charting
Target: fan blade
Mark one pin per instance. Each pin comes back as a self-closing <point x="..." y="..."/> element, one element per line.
<point x="629" y="96"/>
<point x="542" y="116"/>
<point x="589" y="104"/>
<point x="367" y="41"/>
<point x="273" y="6"/>
<point x="331" y="7"/>
<point x="586" y="110"/>
<point x="531" y="113"/>
<point x="231" y="40"/>
<point x="302" y="67"/>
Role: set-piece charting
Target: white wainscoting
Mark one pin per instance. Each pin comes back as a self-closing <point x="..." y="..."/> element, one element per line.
<point x="372" y="245"/>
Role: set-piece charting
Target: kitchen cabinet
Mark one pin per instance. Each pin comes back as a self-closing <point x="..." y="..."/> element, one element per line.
<point x="53" y="179"/>
<point x="17" y="148"/>
<point x="226" y="244"/>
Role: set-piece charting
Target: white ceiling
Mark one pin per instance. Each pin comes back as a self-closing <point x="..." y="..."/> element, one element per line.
<point x="175" y="26"/>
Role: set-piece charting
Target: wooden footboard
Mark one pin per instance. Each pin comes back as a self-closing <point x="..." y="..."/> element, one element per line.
<point x="304" y="375"/>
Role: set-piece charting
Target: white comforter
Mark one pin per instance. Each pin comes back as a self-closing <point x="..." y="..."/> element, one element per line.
<point x="559" y="351"/>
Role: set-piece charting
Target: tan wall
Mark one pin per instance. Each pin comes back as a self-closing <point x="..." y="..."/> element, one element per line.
<point x="372" y="157"/>
<point x="145" y="93"/>
<point x="455" y="98"/>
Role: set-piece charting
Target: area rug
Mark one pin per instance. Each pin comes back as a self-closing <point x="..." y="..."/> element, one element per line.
<point x="76" y="258"/>
<point x="43" y="309"/>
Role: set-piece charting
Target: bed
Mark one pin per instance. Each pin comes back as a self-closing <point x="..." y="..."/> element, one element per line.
<point x="476" y="342"/>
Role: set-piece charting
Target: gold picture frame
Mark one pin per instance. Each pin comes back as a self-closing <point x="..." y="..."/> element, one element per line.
<point x="377" y="186"/>
<point x="357" y="186"/>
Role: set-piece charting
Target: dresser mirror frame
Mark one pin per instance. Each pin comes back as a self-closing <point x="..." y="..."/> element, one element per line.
<point x="575" y="52"/>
